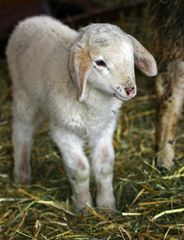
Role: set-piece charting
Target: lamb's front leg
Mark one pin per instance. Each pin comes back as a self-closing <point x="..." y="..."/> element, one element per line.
<point x="102" y="163"/>
<point x="76" y="165"/>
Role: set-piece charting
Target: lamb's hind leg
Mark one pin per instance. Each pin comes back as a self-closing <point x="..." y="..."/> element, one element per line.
<point x="170" y="95"/>
<point x="24" y="125"/>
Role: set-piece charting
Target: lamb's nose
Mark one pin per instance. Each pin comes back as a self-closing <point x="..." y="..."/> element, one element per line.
<point x="130" y="91"/>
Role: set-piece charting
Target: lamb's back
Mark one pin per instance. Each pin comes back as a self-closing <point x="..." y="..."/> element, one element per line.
<point x="33" y="43"/>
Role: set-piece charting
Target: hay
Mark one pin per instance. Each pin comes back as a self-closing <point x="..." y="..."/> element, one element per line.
<point x="150" y="206"/>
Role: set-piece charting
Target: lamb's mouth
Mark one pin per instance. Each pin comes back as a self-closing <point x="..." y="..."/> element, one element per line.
<point x="120" y="97"/>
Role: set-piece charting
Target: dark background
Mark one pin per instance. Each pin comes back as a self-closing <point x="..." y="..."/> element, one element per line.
<point x="75" y="13"/>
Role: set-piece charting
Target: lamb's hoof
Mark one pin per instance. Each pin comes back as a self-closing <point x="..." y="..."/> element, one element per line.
<point x="83" y="211"/>
<point x="164" y="165"/>
<point x="82" y="206"/>
<point x="163" y="170"/>
<point x="107" y="212"/>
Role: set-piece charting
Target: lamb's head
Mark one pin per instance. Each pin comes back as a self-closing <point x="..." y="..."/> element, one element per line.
<point x="104" y="56"/>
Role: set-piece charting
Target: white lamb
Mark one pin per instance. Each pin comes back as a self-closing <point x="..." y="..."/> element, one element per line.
<point x="77" y="82"/>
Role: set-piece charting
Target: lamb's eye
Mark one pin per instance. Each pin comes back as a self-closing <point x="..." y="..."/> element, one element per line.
<point x="100" y="63"/>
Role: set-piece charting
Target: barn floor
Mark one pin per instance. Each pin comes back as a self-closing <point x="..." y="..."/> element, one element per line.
<point x="149" y="205"/>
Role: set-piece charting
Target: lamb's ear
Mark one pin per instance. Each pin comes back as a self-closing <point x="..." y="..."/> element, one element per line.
<point x="80" y="63"/>
<point x="143" y="59"/>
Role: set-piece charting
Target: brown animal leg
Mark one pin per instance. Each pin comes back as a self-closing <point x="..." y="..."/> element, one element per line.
<point x="170" y="95"/>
